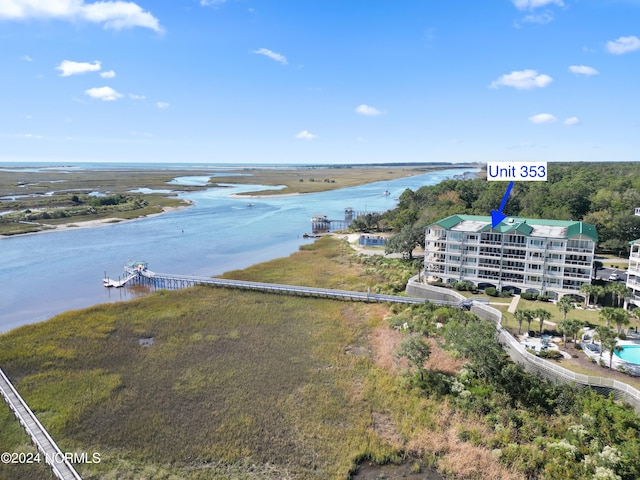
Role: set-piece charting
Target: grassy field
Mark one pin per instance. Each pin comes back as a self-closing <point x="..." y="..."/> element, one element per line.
<point x="235" y="385"/>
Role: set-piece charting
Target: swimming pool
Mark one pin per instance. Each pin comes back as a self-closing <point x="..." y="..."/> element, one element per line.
<point x="630" y="353"/>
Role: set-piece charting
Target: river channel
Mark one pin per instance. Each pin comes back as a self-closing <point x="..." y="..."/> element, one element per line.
<point x="46" y="274"/>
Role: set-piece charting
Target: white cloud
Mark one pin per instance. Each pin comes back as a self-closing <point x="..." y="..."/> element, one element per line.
<point x="543" y="118"/>
<point x="108" y="74"/>
<point x="29" y="136"/>
<point x="583" y="70"/>
<point x="272" y="55"/>
<point x="103" y="93"/>
<point x="26" y="58"/>
<point x="162" y="105"/>
<point x="533" y="4"/>
<point x="112" y="14"/>
<point x="571" y="121"/>
<point x="623" y="45"/>
<point x="542" y="18"/>
<point x="522" y="80"/>
<point x="368" y="110"/>
<point x="136" y="97"/>
<point x="68" y="68"/>
<point x="305" y="135"/>
<point x="207" y="3"/>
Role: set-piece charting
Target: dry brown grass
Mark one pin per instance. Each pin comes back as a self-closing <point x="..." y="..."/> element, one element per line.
<point x="441" y="361"/>
<point x="456" y="458"/>
<point x="384" y="341"/>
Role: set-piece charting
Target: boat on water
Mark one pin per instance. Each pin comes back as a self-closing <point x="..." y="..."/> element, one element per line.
<point x="249" y="205"/>
<point x="386" y="193"/>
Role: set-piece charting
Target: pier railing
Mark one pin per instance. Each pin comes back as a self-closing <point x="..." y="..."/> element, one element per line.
<point x="49" y="450"/>
<point x="419" y="293"/>
<point x="172" y="281"/>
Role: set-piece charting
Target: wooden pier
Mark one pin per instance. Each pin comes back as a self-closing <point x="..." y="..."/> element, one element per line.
<point x="47" y="448"/>
<point x="138" y="275"/>
<point x="321" y="223"/>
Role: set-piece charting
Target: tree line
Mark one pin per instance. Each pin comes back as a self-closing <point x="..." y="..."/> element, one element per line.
<point x="602" y="194"/>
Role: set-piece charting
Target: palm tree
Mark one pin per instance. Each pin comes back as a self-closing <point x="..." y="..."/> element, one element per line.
<point x="587" y="289"/>
<point x="569" y="328"/>
<point x="575" y="326"/>
<point x="602" y="335"/>
<point x="565" y="304"/>
<point x="564" y="328"/>
<point x="619" y="291"/>
<point x="597" y="265"/>
<point x="610" y="343"/>
<point x="598" y="291"/>
<point x="523" y="316"/>
<point x="620" y="318"/>
<point x="607" y="314"/>
<point x="541" y="314"/>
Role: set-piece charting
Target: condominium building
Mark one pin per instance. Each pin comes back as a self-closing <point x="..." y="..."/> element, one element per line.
<point x="549" y="257"/>
<point x="633" y="273"/>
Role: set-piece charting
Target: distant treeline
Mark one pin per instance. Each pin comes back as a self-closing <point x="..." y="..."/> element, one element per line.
<point x="602" y="194"/>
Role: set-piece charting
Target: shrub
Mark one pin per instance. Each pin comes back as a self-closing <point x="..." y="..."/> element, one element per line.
<point x="622" y="336"/>
<point x="462" y="286"/>
<point x="553" y="354"/>
<point x="529" y="296"/>
<point x="491" y="291"/>
<point x="542" y="298"/>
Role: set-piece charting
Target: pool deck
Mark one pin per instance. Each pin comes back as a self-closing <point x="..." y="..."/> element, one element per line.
<point x="617" y="363"/>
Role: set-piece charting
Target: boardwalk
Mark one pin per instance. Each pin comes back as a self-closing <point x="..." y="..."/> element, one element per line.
<point x="49" y="451"/>
<point x="173" y="281"/>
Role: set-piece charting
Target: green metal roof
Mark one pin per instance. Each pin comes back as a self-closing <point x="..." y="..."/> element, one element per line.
<point x="522" y="225"/>
<point x="449" y="222"/>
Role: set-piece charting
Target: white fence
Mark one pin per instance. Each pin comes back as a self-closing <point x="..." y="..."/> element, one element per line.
<point x="530" y="362"/>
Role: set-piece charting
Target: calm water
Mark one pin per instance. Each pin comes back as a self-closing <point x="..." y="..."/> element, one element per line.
<point x="46" y="274"/>
<point x="630" y="353"/>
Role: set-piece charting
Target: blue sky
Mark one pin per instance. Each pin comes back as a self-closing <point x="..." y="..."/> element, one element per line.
<point x="319" y="81"/>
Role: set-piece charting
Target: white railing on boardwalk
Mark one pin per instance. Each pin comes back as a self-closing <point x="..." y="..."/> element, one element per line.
<point x="53" y="456"/>
<point x="531" y="362"/>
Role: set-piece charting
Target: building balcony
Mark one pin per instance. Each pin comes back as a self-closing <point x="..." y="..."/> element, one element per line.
<point x="535" y="260"/>
<point x="576" y="262"/>
<point x="489" y="266"/>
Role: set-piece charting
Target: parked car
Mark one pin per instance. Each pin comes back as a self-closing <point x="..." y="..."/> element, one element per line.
<point x="614" y="277"/>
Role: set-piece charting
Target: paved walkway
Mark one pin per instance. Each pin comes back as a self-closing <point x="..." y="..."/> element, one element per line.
<point x="514" y="304"/>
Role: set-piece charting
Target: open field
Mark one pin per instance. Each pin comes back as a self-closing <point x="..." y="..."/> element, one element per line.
<point x="37" y="201"/>
<point x="235" y="385"/>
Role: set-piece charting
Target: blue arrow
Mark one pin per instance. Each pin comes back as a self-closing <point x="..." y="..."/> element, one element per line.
<point x="498" y="216"/>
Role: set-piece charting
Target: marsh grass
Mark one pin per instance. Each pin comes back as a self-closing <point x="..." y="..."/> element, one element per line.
<point x="236" y="385"/>
<point x="231" y="378"/>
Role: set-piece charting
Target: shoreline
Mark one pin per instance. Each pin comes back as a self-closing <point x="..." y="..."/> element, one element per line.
<point x="248" y="196"/>
<point x="275" y="195"/>
<point x="102" y="222"/>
